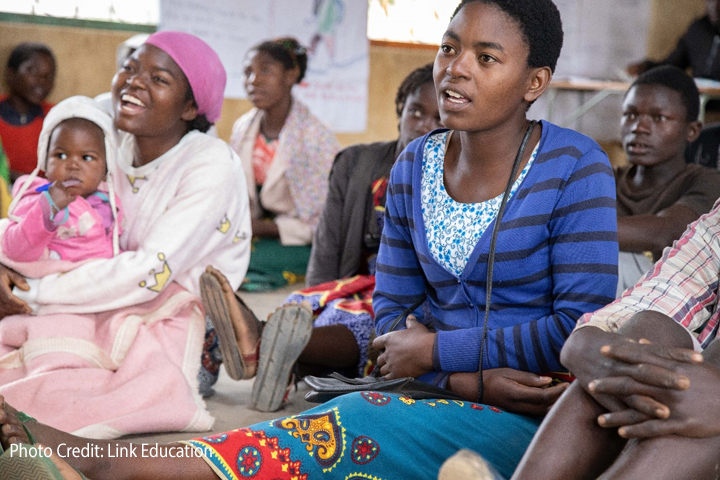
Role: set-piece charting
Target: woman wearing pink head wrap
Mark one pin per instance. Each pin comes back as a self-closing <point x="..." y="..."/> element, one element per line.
<point x="201" y="66"/>
<point x="132" y="326"/>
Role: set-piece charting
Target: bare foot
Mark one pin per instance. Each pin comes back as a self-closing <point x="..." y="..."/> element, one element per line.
<point x="11" y="430"/>
<point x="468" y="465"/>
<point x="245" y="324"/>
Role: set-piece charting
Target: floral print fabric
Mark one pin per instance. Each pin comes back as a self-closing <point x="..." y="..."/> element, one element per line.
<point x="453" y="228"/>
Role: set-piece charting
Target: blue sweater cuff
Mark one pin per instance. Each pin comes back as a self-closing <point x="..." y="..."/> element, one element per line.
<point x="428" y="377"/>
<point x="436" y="356"/>
<point x="458" y="350"/>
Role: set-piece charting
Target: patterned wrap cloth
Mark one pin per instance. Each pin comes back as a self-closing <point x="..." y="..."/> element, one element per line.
<point x="346" y="302"/>
<point x="309" y="165"/>
<point x="369" y="435"/>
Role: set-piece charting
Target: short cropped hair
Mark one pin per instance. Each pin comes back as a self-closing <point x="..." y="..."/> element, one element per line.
<point x="674" y="79"/>
<point x="540" y="24"/>
<point x="416" y="79"/>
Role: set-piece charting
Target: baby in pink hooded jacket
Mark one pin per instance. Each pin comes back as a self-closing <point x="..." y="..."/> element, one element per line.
<point x="69" y="215"/>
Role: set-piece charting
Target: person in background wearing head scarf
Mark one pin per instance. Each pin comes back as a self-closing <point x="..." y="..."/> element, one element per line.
<point x="69" y="215"/>
<point x="118" y="341"/>
<point x="287" y="154"/>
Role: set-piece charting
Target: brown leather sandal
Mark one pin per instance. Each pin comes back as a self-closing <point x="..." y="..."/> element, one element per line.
<point x="239" y="365"/>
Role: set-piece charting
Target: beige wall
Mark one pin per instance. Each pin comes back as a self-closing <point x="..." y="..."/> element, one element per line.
<point x="668" y="21"/>
<point x="86" y="63"/>
<point x="85" y="57"/>
<point x="388" y="67"/>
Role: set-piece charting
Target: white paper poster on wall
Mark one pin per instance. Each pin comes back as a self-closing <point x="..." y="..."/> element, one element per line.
<point x="602" y="38"/>
<point x="335" y="87"/>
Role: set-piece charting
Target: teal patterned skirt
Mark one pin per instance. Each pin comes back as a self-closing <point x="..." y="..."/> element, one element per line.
<point x="369" y="435"/>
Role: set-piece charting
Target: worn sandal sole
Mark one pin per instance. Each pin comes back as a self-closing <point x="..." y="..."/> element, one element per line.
<point x="217" y="309"/>
<point x="284" y="338"/>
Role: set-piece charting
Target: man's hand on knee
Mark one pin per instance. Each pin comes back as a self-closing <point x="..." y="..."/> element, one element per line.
<point x="624" y="375"/>
<point x="692" y="412"/>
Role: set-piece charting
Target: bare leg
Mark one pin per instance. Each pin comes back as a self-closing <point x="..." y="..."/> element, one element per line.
<point x="329" y="347"/>
<point x="668" y="458"/>
<point x="101" y="466"/>
<point x="333" y="346"/>
<point x="571" y="425"/>
<point x="671" y="457"/>
<point x="464" y="384"/>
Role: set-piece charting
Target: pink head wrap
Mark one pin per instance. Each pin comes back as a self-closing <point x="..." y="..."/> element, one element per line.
<point x="200" y="64"/>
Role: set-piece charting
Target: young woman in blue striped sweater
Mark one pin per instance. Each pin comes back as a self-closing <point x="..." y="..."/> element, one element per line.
<point x="555" y="259"/>
<point x="556" y="249"/>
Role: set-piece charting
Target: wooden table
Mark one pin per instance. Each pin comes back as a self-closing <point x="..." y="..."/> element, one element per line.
<point x="602" y="89"/>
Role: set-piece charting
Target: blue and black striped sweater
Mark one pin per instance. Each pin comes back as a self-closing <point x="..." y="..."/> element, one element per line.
<point x="556" y="259"/>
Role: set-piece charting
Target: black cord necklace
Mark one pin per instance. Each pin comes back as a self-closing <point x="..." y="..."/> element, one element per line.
<point x="491" y="254"/>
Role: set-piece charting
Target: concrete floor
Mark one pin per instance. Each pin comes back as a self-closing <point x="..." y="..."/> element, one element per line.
<point x="229" y="404"/>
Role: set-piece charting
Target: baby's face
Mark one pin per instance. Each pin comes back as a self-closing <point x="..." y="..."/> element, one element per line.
<point x="76" y="156"/>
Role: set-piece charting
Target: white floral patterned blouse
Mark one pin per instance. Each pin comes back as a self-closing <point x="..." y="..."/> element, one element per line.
<point x="453" y="228"/>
